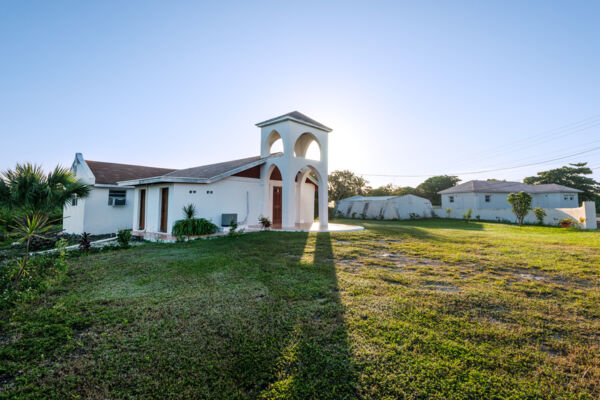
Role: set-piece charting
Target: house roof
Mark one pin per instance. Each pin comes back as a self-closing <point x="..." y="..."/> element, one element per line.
<point x="507" y="187"/>
<point x="295" y="116"/>
<point x="111" y="173"/>
<point x="202" y="174"/>
<point x="212" y="170"/>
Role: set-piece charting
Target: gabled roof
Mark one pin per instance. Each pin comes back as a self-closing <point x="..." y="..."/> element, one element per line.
<point x="204" y="173"/>
<point x="507" y="187"/>
<point x="213" y="170"/>
<point x="111" y="173"/>
<point x="295" y="116"/>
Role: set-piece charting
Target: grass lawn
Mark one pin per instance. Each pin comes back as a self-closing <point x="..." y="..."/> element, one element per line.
<point x="414" y="309"/>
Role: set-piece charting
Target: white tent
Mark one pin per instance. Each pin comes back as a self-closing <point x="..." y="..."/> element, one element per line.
<point x="384" y="207"/>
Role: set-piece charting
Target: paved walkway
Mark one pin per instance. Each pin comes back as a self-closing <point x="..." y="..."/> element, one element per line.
<point x="312" y="227"/>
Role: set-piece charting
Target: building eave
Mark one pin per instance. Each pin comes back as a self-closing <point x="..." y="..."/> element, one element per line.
<point x="177" y="179"/>
<point x="286" y="118"/>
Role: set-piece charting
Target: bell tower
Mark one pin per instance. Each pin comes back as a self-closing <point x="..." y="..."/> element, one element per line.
<point x="297" y="132"/>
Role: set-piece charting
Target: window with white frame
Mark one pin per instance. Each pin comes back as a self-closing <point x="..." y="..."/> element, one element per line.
<point x="451" y="199"/>
<point x="117" y="197"/>
<point x="488" y="198"/>
<point x="74" y="201"/>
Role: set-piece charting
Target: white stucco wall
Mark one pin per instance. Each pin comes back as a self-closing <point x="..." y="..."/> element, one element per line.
<point x="94" y="215"/>
<point x="587" y="211"/>
<point x="498" y="200"/>
<point x="232" y="195"/>
<point x="73" y="217"/>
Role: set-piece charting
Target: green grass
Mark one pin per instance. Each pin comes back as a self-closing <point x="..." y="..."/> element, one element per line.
<point x="414" y="309"/>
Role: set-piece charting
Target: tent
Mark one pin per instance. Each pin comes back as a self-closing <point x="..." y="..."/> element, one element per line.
<point x="384" y="207"/>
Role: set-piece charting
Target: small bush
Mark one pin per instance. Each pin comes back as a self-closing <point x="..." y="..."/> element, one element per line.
<point x="265" y="222"/>
<point x="539" y="214"/>
<point x="123" y="237"/>
<point x="233" y="232"/>
<point x="467" y="215"/>
<point x="566" y="223"/>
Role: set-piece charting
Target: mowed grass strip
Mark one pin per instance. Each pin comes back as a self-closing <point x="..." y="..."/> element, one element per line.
<point x="414" y="309"/>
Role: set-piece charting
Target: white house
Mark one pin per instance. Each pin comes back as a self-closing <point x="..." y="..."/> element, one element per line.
<point x="384" y="207"/>
<point x="278" y="185"/>
<point x="109" y="207"/>
<point x="487" y="200"/>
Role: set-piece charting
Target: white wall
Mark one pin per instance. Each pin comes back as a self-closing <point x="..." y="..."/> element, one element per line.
<point x="498" y="200"/>
<point x="233" y="195"/>
<point x="94" y="215"/>
<point x="73" y="217"/>
<point x="553" y="215"/>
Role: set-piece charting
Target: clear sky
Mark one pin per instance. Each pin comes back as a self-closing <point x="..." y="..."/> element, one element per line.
<point x="410" y="88"/>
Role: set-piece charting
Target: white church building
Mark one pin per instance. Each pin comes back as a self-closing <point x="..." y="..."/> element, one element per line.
<point x="280" y="185"/>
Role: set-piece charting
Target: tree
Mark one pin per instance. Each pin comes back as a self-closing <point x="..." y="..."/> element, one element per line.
<point x="431" y="186"/>
<point x="387" y="190"/>
<point x="572" y="176"/>
<point x="27" y="190"/>
<point x="521" y="204"/>
<point x="344" y="184"/>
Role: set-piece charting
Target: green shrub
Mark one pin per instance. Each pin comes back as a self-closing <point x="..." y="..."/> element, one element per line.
<point x="467" y="215"/>
<point x="123" y="237"/>
<point x="539" y="214"/>
<point x="193" y="227"/>
<point x="39" y="273"/>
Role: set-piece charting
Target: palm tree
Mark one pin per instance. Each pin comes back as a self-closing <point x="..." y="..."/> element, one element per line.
<point x="27" y="190"/>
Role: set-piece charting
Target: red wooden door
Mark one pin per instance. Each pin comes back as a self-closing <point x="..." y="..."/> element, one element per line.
<point x="277" y="205"/>
<point x="142" y="221"/>
<point x="164" y="207"/>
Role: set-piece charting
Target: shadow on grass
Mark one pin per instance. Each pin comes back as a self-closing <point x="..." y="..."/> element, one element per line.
<point x="316" y="360"/>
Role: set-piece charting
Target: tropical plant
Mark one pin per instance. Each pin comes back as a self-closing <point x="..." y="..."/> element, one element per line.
<point x="448" y="211"/>
<point x="85" y="243"/>
<point x="26" y="229"/>
<point x="189" y="211"/>
<point x="123" y="237"/>
<point x="27" y="190"/>
<point x="467" y="215"/>
<point x="540" y="213"/>
<point x="265" y="222"/>
<point x="521" y="204"/>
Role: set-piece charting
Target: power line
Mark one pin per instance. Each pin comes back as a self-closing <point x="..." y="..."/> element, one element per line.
<point x="540" y="138"/>
<point x="487" y="170"/>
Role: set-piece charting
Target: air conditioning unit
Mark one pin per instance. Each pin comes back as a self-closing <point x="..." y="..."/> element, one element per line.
<point x="227" y="219"/>
<point x="120" y="202"/>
